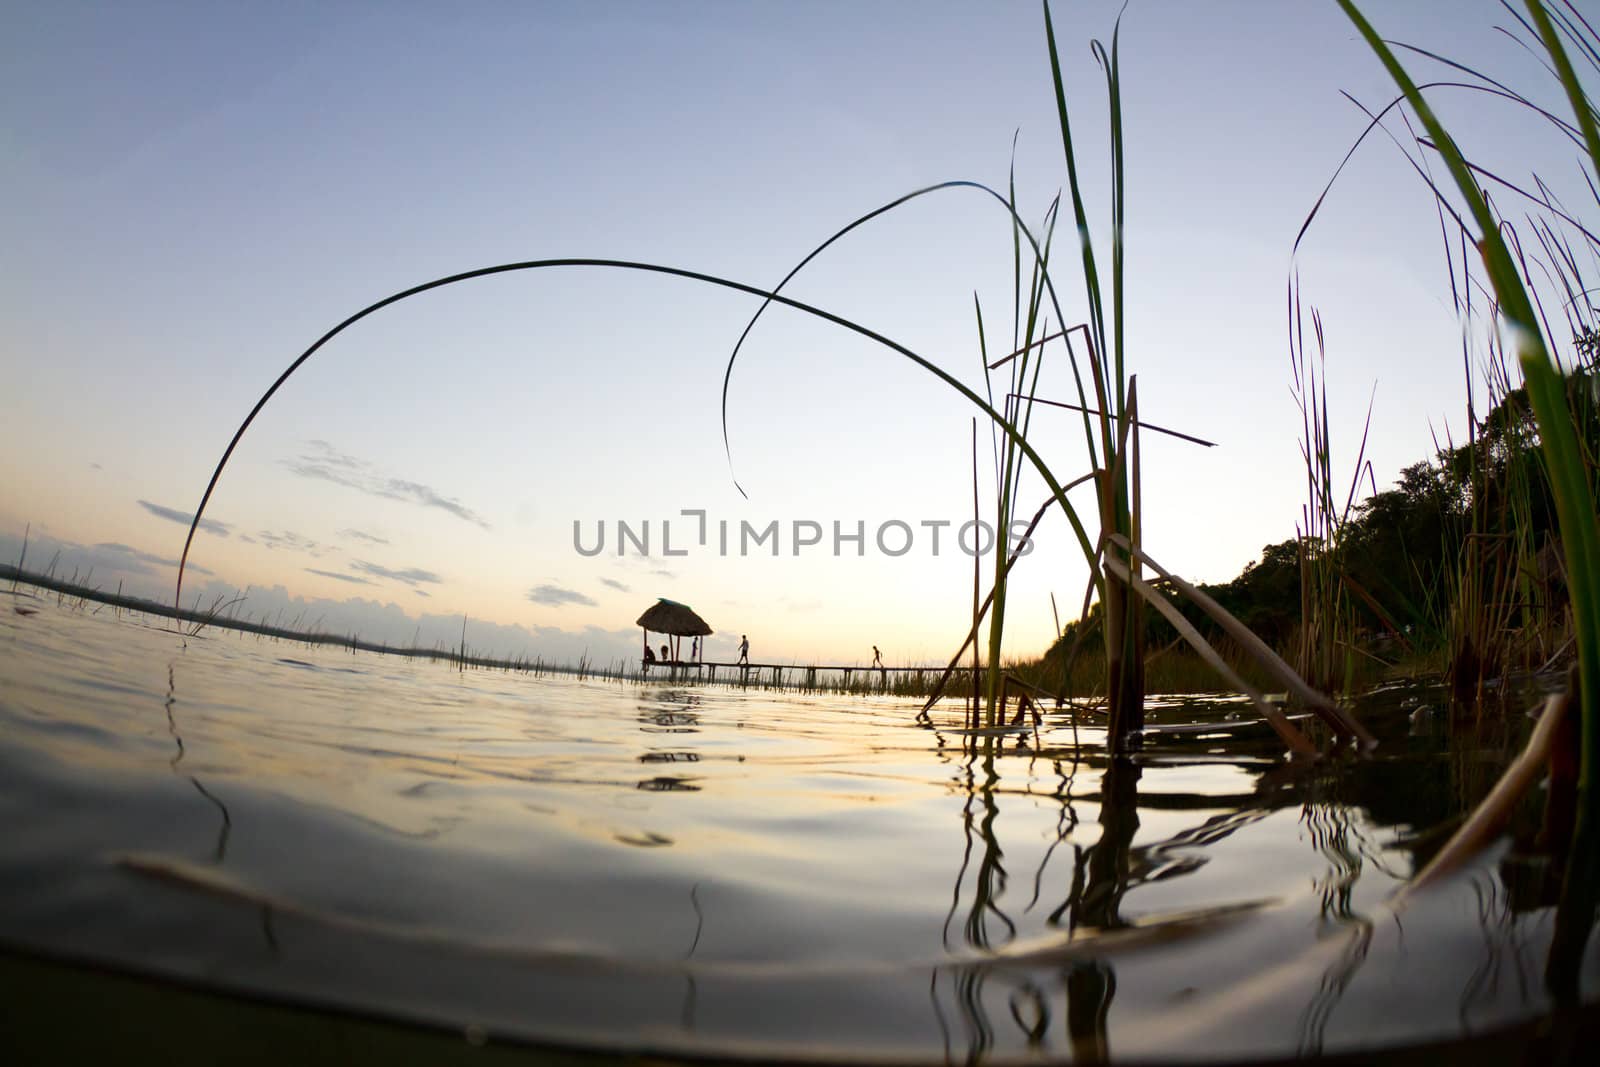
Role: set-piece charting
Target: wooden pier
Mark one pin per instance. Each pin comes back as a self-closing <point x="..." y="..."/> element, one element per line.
<point x="775" y="673"/>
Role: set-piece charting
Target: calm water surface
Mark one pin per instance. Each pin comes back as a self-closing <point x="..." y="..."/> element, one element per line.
<point x="708" y="870"/>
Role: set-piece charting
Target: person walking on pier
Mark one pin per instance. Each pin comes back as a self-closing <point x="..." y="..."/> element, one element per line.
<point x="744" y="649"/>
<point x="877" y="657"/>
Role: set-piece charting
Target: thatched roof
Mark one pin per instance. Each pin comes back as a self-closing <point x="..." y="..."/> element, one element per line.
<point x="670" y="617"/>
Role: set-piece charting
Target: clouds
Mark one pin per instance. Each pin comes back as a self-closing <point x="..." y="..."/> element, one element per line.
<point x="618" y="586"/>
<point x="290" y="540"/>
<point x="363" y="537"/>
<point x="115" y="556"/>
<point x="410" y="576"/>
<point x="352" y="579"/>
<point x="373" y="616"/>
<point x="185" y="518"/>
<point x="556" y="596"/>
<point x="365" y="604"/>
<point x="108" y="564"/>
<point x="323" y="462"/>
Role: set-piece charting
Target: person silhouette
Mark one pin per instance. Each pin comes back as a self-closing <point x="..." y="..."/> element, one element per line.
<point x="666" y="654"/>
<point x="877" y="657"/>
<point x="744" y="649"/>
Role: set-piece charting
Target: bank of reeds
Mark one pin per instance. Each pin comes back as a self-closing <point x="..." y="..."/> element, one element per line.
<point x="1521" y="257"/>
<point x="1494" y="602"/>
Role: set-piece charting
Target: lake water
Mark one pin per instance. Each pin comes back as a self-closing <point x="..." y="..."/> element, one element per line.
<point x="715" y="871"/>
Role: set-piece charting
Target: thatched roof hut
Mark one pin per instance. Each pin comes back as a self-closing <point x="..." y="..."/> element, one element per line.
<point x="670" y="617"/>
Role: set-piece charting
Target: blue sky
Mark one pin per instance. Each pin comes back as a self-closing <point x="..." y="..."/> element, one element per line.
<point x="200" y="190"/>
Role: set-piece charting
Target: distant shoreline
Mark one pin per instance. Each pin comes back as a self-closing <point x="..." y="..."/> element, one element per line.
<point x="220" y="616"/>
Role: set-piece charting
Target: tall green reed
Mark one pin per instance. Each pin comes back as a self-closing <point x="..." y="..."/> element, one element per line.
<point x="1116" y="477"/>
<point x="1325" y="647"/>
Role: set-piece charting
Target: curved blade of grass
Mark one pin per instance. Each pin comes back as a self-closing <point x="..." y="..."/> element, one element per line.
<point x="1375" y="121"/>
<point x="1542" y="201"/>
<point x="1017" y="223"/>
<point x="1497" y="88"/>
<point x="1589" y="40"/>
<point x="653" y="268"/>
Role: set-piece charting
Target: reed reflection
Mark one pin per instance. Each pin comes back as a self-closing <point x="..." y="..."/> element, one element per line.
<point x="1014" y="988"/>
<point x="1100" y="881"/>
<point x="1056" y="987"/>
<point x="674" y="711"/>
<point x="226" y="826"/>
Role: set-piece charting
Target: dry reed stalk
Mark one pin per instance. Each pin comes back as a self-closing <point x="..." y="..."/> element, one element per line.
<point x="1491" y="816"/>
<point x="1338" y="718"/>
<point x="1297" y="742"/>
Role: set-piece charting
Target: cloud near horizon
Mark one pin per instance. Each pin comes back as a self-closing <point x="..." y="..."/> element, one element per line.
<point x="105" y="564"/>
<point x="341" y="577"/>
<point x="555" y="596"/>
<point x="410" y="576"/>
<point x="325" y="463"/>
<point x="290" y="540"/>
<point x="371" y="612"/>
<point x="119" y="552"/>
<point x="185" y="518"/>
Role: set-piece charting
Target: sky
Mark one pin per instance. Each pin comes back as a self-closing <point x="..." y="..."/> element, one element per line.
<point x="199" y="191"/>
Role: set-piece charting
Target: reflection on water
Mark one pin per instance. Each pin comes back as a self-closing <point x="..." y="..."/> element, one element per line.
<point x="177" y="758"/>
<point x="716" y="871"/>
